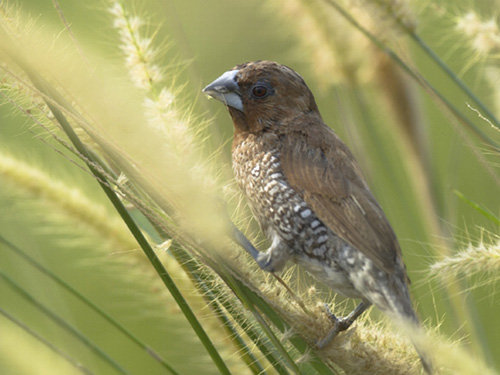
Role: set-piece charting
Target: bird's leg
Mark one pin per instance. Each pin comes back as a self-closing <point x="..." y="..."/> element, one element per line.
<point x="272" y="260"/>
<point x="341" y="324"/>
<point x="245" y="243"/>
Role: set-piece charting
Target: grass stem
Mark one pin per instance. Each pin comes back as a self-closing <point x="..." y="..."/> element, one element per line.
<point x="87" y="302"/>
<point x="435" y="57"/>
<point x="63" y="324"/>
<point x="134" y="229"/>
<point x="48" y="344"/>
<point x="416" y="76"/>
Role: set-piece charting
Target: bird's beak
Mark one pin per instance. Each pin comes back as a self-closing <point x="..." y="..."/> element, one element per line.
<point x="226" y="89"/>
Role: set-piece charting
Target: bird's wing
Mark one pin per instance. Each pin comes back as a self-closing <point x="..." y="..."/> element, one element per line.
<point x="317" y="164"/>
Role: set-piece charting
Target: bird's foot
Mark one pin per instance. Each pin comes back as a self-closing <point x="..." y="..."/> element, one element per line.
<point x="341" y="324"/>
<point x="265" y="262"/>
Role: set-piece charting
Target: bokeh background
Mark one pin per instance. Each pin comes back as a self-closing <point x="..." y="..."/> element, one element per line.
<point x="206" y="38"/>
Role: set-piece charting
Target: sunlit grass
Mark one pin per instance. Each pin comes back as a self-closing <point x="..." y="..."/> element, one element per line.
<point x="131" y="123"/>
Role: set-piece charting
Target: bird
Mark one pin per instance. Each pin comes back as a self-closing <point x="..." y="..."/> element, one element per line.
<point x="308" y="194"/>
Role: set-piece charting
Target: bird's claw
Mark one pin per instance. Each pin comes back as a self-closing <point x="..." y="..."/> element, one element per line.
<point x="339" y="325"/>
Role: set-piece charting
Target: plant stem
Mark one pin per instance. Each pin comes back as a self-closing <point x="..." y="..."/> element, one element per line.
<point x="89" y="303"/>
<point x="415" y="75"/>
<point x="74" y="362"/>
<point x="62" y="323"/>
<point x="122" y="211"/>
<point x="483" y="211"/>
<point x="213" y="296"/>
<point x="454" y="78"/>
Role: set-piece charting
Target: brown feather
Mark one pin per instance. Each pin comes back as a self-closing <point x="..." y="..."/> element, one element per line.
<point x="317" y="164"/>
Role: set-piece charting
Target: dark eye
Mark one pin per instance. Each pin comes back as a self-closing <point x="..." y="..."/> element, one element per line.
<point x="259" y="91"/>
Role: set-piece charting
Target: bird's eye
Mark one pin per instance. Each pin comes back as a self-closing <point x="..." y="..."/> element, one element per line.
<point x="259" y="91"/>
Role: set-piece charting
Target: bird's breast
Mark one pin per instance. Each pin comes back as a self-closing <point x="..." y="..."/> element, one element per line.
<point x="276" y="205"/>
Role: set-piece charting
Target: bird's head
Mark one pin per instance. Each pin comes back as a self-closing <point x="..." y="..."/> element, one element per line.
<point x="262" y="95"/>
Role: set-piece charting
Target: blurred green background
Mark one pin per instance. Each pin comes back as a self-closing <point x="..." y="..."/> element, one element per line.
<point x="208" y="38"/>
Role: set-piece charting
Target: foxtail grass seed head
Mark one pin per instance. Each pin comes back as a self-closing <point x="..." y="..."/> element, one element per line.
<point x="483" y="36"/>
<point x="138" y="50"/>
<point x="482" y="258"/>
<point x="335" y="49"/>
<point x="160" y="104"/>
<point x="67" y="199"/>
<point x="395" y="14"/>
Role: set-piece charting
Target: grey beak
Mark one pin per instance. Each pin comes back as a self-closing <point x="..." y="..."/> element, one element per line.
<point x="226" y="89"/>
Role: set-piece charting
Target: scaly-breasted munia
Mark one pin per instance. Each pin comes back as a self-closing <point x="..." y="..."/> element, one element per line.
<point x="307" y="192"/>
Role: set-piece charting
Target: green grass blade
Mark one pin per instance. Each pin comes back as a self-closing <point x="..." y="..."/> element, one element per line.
<point x="483" y="211"/>
<point x="246" y="354"/>
<point x="235" y="285"/>
<point x="165" y="277"/>
<point x="75" y="363"/>
<point x="211" y="295"/>
<point x="241" y="293"/>
<point x="417" y="77"/>
<point x="41" y="85"/>
<point x="455" y="78"/>
<point x="192" y="267"/>
<point x="62" y="323"/>
<point x="298" y="342"/>
<point x="9" y="245"/>
<point x="259" y="306"/>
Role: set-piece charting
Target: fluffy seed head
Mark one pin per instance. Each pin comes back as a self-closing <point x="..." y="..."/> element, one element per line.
<point x="397" y="12"/>
<point x="484" y="36"/>
<point x="138" y="50"/>
<point x="481" y="259"/>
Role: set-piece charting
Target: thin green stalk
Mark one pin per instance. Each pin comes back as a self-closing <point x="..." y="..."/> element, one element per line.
<point x="193" y="269"/>
<point x="275" y="362"/>
<point x="257" y="307"/>
<point x="45" y="342"/>
<point x="236" y="287"/>
<point x="421" y="80"/>
<point x="211" y="296"/>
<point x="454" y="78"/>
<point x="41" y="85"/>
<point x="87" y="302"/>
<point x="483" y="211"/>
<point x="246" y="354"/>
<point x="298" y="342"/>
<point x="272" y="337"/>
<point x="62" y="323"/>
<point x="255" y="337"/>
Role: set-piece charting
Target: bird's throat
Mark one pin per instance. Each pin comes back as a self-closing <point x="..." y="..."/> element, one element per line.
<point x="239" y="120"/>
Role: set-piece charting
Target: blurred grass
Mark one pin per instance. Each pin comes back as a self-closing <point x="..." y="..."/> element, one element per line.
<point x="214" y="39"/>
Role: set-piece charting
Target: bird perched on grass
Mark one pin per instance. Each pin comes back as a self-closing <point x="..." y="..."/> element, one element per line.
<point x="307" y="192"/>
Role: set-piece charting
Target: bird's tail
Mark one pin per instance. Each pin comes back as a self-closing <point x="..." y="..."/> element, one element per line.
<point x="398" y="306"/>
<point x="412" y="324"/>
